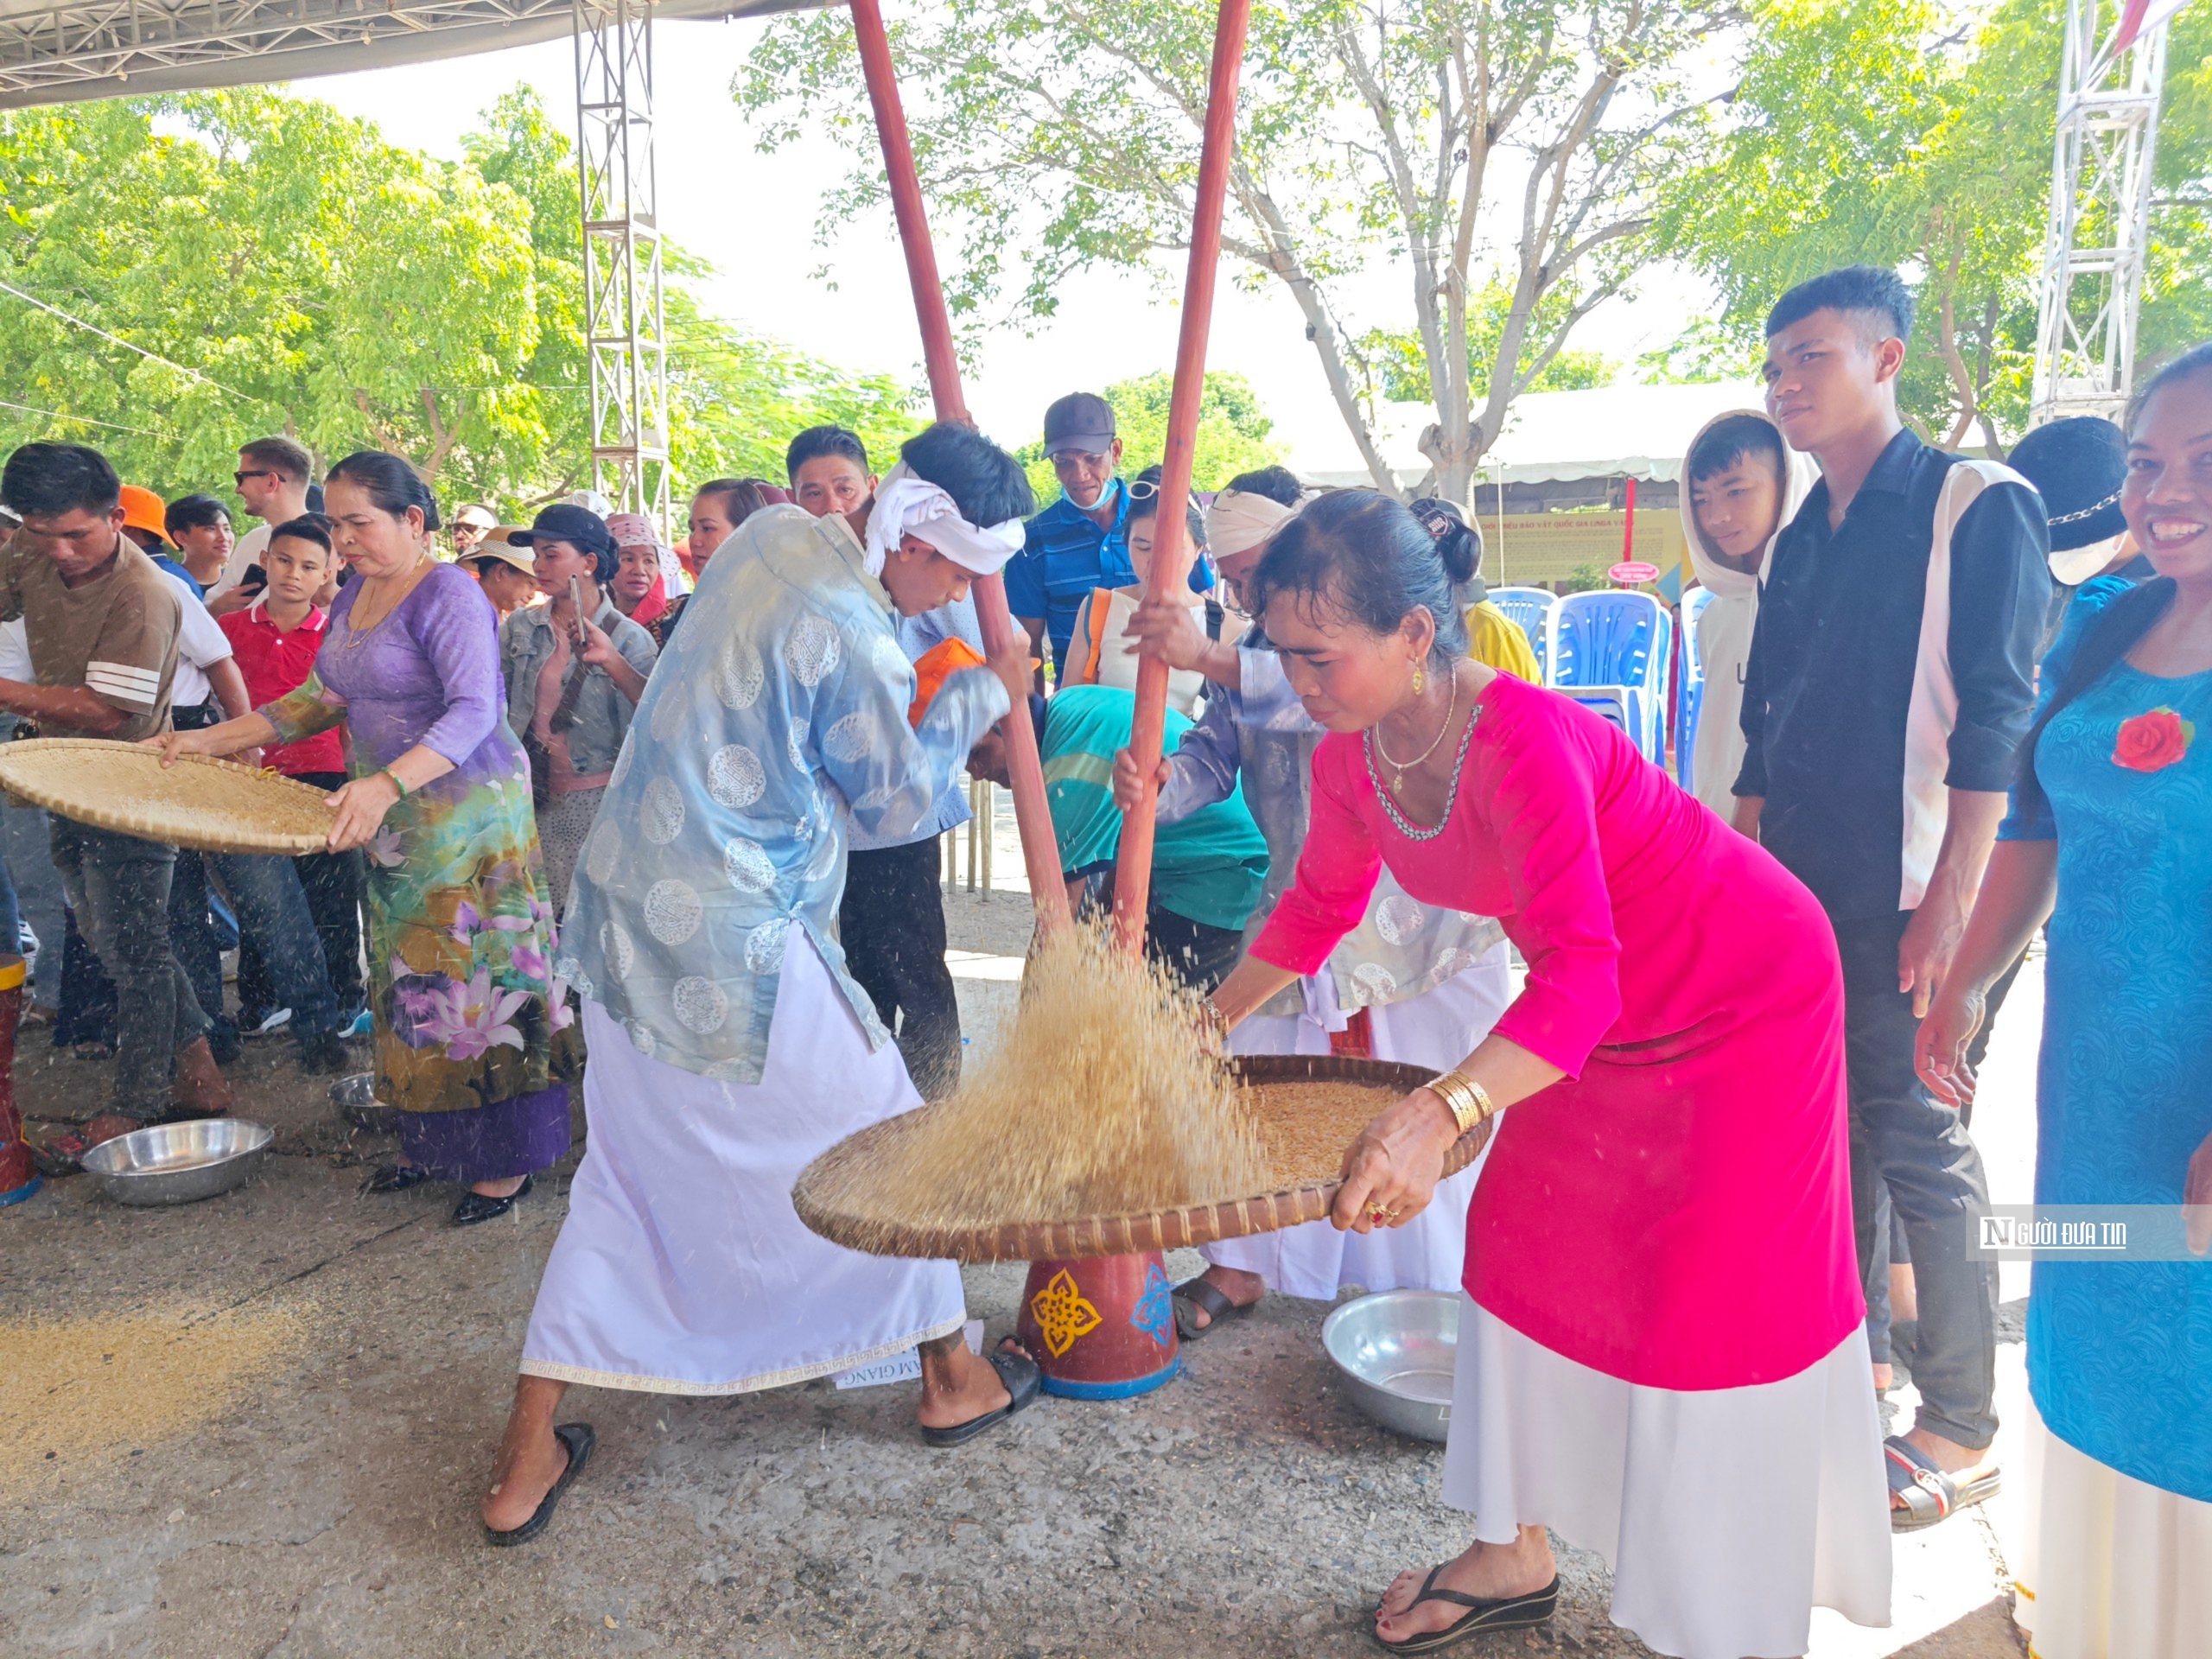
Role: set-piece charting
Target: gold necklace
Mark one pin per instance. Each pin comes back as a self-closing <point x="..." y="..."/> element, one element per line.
<point x="1399" y="768"/>
<point x="355" y="636"/>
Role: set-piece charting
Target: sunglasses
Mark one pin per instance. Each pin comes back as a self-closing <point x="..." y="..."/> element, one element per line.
<point x="239" y="478"/>
<point x="1144" y="489"/>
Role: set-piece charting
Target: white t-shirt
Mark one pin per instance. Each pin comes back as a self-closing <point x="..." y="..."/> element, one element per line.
<point x="247" y="551"/>
<point x="201" y="645"/>
<point x="15" y="653"/>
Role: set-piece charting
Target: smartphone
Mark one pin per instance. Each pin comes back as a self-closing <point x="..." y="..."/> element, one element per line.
<point x="576" y="608"/>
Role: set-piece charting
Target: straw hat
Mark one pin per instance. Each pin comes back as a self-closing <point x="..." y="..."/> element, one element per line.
<point x="496" y="545"/>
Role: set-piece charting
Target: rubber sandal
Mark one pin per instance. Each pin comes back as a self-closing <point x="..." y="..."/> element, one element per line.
<point x="1209" y="1300"/>
<point x="1930" y="1494"/>
<point x="579" y="1439"/>
<point x="61" y="1155"/>
<point x="396" y="1178"/>
<point x="1024" y="1382"/>
<point x="474" y="1207"/>
<point x="1482" y="1616"/>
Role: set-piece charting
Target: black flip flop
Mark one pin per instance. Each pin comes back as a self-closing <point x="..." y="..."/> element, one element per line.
<point x="1024" y="1382"/>
<point x="1931" y="1494"/>
<point x="1482" y="1616"/>
<point x="1208" y="1299"/>
<point x="579" y="1439"/>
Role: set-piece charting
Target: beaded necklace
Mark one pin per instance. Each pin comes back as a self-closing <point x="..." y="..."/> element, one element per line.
<point x="1406" y="827"/>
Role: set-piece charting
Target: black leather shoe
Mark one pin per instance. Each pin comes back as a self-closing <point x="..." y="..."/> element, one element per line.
<point x="474" y="1206"/>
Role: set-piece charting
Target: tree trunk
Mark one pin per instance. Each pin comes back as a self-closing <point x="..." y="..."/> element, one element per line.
<point x="1280" y="257"/>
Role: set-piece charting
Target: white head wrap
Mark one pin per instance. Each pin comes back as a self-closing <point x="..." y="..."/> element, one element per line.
<point x="1238" y="521"/>
<point x="907" y="503"/>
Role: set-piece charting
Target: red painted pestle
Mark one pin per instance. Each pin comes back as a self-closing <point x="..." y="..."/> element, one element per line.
<point x="1040" y="852"/>
<point x="1172" y="550"/>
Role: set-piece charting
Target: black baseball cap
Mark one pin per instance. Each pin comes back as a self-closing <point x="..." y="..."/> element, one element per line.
<point x="580" y="527"/>
<point x="1082" y="421"/>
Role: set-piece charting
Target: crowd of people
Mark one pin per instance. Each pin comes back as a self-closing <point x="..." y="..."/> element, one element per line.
<point x="680" y="809"/>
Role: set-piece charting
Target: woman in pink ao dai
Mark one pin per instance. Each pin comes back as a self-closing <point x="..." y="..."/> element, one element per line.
<point x="1661" y="1357"/>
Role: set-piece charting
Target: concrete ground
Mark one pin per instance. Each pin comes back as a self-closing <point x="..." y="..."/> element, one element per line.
<point x="259" y="1425"/>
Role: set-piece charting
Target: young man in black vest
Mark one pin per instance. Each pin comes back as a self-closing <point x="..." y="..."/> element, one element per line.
<point x="1890" y="682"/>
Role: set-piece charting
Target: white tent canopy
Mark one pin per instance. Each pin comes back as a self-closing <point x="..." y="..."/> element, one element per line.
<point x="61" y="53"/>
<point x="1550" y="436"/>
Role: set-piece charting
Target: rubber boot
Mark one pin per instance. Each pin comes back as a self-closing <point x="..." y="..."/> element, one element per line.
<point x="19" y="1177"/>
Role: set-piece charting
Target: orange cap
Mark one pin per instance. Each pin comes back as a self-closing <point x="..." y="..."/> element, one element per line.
<point x="144" y="510"/>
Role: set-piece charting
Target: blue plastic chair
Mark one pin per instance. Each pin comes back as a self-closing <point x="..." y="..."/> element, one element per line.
<point x="1610" y="652"/>
<point x="1532" y="610"/>
<point x="1690" y="701"/>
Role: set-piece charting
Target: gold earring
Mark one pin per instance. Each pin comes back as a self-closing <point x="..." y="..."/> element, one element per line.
<point x="1417" y="680"/>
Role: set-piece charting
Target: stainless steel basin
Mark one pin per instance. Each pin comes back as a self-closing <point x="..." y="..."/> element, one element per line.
<point x="179" y="1163"/>
<point x="1395" y="1350"/>
<point x="355" y="1097"/>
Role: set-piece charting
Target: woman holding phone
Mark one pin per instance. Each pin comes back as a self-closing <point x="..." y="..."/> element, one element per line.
<point x="474" y="1037"/>
<point x="575" y="670"/>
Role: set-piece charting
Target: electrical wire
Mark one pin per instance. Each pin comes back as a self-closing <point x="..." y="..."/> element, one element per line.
<point x="151" y="357"/>
<point x="86" y="419"/>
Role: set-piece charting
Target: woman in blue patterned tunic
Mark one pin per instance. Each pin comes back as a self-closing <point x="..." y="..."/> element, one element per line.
<point x="2110" y="837"/>
<point x="730" y="1044"/>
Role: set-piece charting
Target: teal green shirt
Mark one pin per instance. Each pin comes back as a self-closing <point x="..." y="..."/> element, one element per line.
<point x="1207" y="868"/>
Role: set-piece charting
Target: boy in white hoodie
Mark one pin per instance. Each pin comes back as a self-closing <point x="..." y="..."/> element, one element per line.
<point x="1743" y="485"/>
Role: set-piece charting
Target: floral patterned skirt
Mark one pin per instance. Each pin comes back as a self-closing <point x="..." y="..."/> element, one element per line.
<point x="461" y="934"/>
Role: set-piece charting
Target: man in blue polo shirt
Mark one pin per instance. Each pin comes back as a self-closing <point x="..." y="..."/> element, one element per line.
<point x="1890" y="682"/>
<point x="1081" y="541"/>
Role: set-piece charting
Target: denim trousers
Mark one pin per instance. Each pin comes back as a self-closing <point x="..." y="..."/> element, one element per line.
<point x="1910" y="1149"/>
<point x="273" y="912"/>
<point x="119" y="888"/>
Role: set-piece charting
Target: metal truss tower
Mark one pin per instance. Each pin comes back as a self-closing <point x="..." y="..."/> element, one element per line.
<point x="2100" y="215"/>
<point x="623" y="324"/>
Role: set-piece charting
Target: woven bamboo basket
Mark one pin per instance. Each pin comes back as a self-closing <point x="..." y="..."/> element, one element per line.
<point x="878" y="1148"/>
<point x="211" y="806"/>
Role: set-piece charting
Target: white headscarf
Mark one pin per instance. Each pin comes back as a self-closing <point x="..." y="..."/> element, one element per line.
<point x="907" y="503"/>
<point x="1238" y="521"/>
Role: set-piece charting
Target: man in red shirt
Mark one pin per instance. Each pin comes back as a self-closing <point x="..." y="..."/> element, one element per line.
<point x="274" y="640"/>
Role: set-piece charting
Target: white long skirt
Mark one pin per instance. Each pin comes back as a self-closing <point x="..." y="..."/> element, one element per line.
<point x="2113" y="1567"/>
<point x="1726" y="1514"/>
<point x="1439" y="1029"/>
<point x="681" y="1267"/>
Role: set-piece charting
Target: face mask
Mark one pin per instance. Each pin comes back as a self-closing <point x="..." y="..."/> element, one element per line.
<point x="1105" y="497"/>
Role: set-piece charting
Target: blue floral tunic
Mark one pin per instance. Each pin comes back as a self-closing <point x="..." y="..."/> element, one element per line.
<point x="777" y="716"/>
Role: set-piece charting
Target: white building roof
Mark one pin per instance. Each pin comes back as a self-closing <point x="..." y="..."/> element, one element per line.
<point x="1550" y="436"/>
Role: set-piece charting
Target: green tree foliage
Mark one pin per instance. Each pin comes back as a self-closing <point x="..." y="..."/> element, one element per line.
<point x="305" y="277"/>
<point x="280" y="268"/>
<point x="1467" y="141"/>
<point x="1885" y="131"/>
<point x="1397" y="371"/>
<point x="1232" y="432"/>
<point x="734" y="399"/>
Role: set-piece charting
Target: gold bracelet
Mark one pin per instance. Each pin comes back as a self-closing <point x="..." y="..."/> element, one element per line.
<point x="1467" y="1100"/>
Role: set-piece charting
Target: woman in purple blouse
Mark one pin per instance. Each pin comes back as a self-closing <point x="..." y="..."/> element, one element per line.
<point x="473" y="1037"/>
